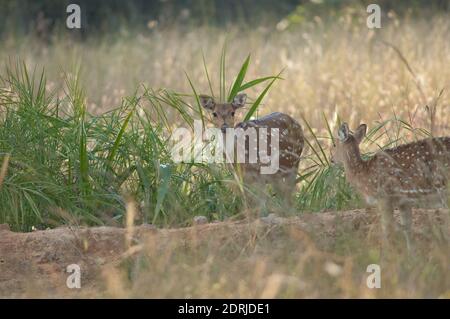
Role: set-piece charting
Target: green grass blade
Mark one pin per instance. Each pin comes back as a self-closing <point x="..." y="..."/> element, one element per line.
<point x="83" y="155"/>
<point x="254" y="82"/>
<point x="324" y="159"/>
<point x="257" y="102"/>
<point x="330" y="133"/>
<point x="197" y="99"/>
<point x="118" y="138"/>
<point x="239" y="79"/>
<point x="207" y="75"/>
<point x="162" y="190"/>
<point x="222" y="72"/>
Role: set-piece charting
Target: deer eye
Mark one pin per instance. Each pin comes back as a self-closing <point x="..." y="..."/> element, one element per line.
<point x="232" y="113"/>
<point x="215" y="114"/>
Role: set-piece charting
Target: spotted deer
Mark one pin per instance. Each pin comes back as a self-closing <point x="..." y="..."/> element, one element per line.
<point x="290" y="144"/>
<point x="410" y="175"/>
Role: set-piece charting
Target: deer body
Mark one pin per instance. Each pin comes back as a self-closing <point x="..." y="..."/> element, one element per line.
<point x="290" y="146"/>
<point x="412" y="171"/>
<point x="410" y="175"/>
<point x="288" y="150"/>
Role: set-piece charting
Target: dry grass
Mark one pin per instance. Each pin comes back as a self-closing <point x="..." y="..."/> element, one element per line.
<point x="309" y="256"/>
<point x="345" y="70"/>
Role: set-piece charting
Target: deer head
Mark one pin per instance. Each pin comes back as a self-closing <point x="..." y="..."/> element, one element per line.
<point x="346" y="149"/>
<point x="223" y="113"/>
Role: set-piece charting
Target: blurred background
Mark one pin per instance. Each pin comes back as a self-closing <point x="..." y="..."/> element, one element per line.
<point x="47" y="16"/>
<point x="324" y="46"/>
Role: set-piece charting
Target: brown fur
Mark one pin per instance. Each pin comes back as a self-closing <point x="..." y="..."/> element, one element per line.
<point x="414" y="174"/>
<point x="291" y="143"/>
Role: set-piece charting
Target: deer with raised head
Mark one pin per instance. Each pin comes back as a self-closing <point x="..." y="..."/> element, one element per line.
<point x="410" y="175"/>
<point x="288" y="150"/>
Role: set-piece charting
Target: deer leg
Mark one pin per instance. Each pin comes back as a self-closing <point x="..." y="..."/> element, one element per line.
<point x="284" y="187"/>
<point x="282" y="192"/>
<point x="444" y="196"/>
<point x="405" y="224"/>
<point x="387" y="221"/>
<point x="290" y="182"/>
<point x="256" y="197"/>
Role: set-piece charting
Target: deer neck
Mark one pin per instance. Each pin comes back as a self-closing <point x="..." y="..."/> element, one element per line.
<point x="226" y="151"/>
<point x="353" y="162"/>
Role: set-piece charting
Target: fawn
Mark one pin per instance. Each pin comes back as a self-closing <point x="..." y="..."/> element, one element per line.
<point x="290" y="145"/>
<point x="414" y="174"/>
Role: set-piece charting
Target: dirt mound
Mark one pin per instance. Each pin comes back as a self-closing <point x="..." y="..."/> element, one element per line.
<point x="35" y="264"/>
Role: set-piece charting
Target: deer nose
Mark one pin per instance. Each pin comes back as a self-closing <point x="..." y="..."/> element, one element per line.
<point x="224" y="128"/>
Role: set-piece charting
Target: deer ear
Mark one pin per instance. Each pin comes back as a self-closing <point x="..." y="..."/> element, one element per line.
<point x="239" y="100"/>
<point x="207" y="102"/>
<point x="343" y="132"/>
<point x="360" y="133"/>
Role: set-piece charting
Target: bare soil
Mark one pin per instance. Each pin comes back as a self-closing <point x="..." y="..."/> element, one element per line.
<point x="34" y="264"/>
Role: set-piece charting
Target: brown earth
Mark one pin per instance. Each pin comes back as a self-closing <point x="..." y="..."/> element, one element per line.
<point x="34" y="264"/>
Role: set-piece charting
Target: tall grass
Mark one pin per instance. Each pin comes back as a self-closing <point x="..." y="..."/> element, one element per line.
<point x="66" y="165"/>
<point x="75" y="146"/>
